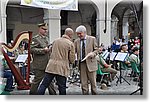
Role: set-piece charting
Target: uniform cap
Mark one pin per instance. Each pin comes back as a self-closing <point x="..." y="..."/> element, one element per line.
<point x="43" y="25"/>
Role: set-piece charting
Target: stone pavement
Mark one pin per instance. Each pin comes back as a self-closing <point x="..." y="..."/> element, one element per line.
<point x="75" y="89"/>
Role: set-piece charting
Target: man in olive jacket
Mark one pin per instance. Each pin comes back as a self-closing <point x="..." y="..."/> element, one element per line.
<point x="63" y="53"/>
<point x="40" y="53"/>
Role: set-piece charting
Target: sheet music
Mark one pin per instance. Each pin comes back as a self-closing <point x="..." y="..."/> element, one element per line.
<point x="88" y="55"/>
<point x="112" y="55"/>
<point x="22" y="58"/>
<point x="121" y="56"/>
<point x="106" y="55"/>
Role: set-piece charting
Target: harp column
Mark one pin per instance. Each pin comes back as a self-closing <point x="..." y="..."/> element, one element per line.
<point x="3" y="4"/>
<point x="52" y="17"/>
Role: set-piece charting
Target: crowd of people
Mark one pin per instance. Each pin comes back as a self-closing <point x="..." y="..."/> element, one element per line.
<point x="51" y="62"/>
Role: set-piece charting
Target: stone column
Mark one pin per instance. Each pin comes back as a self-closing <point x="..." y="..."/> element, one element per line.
<point x="104" y="38"/>
<point x="114" y="32"/>
<point x="125" y="30"/>
<point x="3" y="37"/>
<point x="52" y="17"/>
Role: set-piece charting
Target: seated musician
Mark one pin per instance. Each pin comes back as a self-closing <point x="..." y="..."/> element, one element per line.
<point x="22" y="66"/>
<point x="7" y="74"/>
<point x="134" y="57"/>
<point x="126" y="63"/>
<point x="104" y="66"/>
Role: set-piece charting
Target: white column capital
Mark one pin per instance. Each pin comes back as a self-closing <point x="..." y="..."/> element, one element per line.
<point x="52" y="14"/>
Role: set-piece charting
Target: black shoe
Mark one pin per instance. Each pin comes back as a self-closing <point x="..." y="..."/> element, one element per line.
<point x="9" y="90"/>
<point x="104" y="81"/>
<point x="108" y="85"/>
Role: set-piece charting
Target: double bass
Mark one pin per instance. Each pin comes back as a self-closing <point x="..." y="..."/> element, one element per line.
<point x="21" y="83"/>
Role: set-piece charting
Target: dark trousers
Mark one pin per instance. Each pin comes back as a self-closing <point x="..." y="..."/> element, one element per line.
<point x="9" y="76"/>
<point x="23" y="72"/>
<point x="39" y="75"/>
<point x="61" y="82"/>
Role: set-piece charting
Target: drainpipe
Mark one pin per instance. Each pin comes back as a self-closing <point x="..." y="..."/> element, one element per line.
<point x="105" y="17"/>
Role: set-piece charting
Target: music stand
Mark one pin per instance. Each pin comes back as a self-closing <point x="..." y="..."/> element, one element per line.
<point x="113" y="55"/>
<point x="106" y="55"/>
<point x="21" y="58"/>
<point x="112" y="58"/>
<point x="120" y="57"/>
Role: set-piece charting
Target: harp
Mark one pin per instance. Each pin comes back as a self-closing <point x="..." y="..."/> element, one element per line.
<point x="21" y="83"/>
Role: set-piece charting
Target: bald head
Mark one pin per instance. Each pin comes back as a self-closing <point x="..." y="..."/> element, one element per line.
<point x="69" y="32"/>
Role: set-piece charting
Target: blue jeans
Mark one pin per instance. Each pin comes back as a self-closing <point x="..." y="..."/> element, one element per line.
<point x="9" y="76"/>
<point x="61" y="82"/>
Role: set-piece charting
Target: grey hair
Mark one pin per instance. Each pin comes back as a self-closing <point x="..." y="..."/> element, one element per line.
<point x="81" y="28"/>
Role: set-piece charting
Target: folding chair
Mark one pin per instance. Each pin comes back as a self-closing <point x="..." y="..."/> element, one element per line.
<point x="125" y="69"/>
<point x="135" y="69"/>
<point x="99" y="71"/>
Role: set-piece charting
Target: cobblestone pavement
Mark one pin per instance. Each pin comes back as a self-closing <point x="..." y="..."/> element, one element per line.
<point x="75" y="89"/>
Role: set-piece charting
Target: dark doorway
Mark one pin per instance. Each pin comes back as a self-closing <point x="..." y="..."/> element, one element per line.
<point x="9" y="35"/>
<point x="93" y="25"/>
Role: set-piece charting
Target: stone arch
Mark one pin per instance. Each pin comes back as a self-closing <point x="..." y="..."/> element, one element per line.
<point x="22" y="18"/>
<point x="124" y="11"/>
<point x="94" y="15"/>
<point x="86" y="14"/>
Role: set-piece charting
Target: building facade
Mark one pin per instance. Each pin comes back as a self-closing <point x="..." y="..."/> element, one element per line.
<point x="104" y="19"/>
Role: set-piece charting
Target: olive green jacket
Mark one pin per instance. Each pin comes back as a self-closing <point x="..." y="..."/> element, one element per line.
<point x="40" y="57"/>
